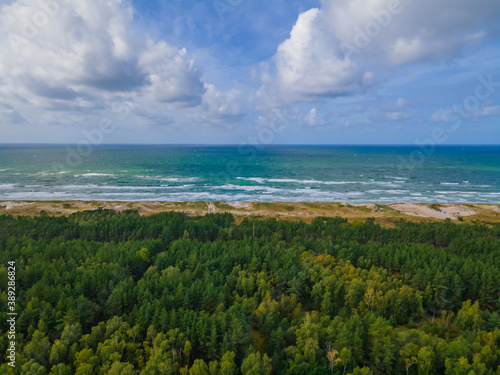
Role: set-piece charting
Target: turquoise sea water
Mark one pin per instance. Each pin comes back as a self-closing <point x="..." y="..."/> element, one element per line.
<point x="354" y="174"/>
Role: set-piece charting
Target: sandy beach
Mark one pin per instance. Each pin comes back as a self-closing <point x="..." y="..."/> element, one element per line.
<point x="284" y="210"/>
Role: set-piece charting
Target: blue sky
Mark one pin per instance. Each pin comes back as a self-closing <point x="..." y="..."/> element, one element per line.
<point x="242" y="71"/>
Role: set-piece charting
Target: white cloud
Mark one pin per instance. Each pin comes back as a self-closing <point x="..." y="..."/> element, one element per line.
<point x="223" y="104"/>
<point x="489" y="108"/>
<point x="311" y="64"/>
<point x="396" y="115"/>
<point x="347" y="46"/>
<point x="442" y="115"/>
<point x="76" y="55"/>
<point x="9" y="115"/>
<point x="217" y="107"/>
<point x="313" y="119"/>
<point x="399" y="32"/>
<point x="171" y="76"/>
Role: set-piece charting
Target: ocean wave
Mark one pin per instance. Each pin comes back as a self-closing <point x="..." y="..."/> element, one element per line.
<point x="259" y="180"/>
<point x="285" y="195"/>
<point x="294" y="181"/>
<point x="37" y="196"/>
<point x="461" y="192"/>
<point x="450" y="183"/>
<point x="393" y="191"/>
<point x="262" y="180"/>
<point x="94" y="175"/>
<point x="303" y="192"/>
<point x="180" y="179"/>
<point x="387" y="183"/>
<point x="122" y="194"/>
<point x="194" y="196"/>
<point x="397" y="178"/>
<point x="77" y="187"/>
<point x="168" y="179"/>
<point x="113" y="187"/>
<point x="7" y="186"/>
<point x="48" y="173"/>
<point x="247" y="188"/>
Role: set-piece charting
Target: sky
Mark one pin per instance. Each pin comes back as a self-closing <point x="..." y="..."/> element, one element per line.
<point x="421" y="72"/>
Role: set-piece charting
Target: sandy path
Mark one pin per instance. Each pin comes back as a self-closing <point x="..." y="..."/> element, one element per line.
<point x="211" y="208"/>
<point x="437" y="211"/>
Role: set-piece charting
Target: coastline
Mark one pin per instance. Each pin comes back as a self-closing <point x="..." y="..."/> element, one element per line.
<point x="282" y="210"/>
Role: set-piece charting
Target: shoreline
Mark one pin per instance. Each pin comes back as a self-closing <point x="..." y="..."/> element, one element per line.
<point x="284" y="210"/>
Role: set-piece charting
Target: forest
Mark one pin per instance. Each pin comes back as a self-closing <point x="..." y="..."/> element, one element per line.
<point x="103" y="292"/>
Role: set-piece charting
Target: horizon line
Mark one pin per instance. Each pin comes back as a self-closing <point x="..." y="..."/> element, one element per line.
<point x="251" y="144"/>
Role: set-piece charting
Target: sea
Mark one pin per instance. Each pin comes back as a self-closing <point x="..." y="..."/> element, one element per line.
<point x="260" y="173"/>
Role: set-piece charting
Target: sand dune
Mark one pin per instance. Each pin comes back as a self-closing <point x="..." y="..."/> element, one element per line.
<point x="286" y="210"/>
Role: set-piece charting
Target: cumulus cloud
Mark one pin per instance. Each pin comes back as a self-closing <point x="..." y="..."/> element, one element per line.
<point x="71" y="54"/>
<point x="313" y="119"/>
<point x="223" y="104"/>
<point x="171" y="76"/>
<point x="67" y="61"/>
<point x="310" y="62"/>
<point x="347" y="46"/>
